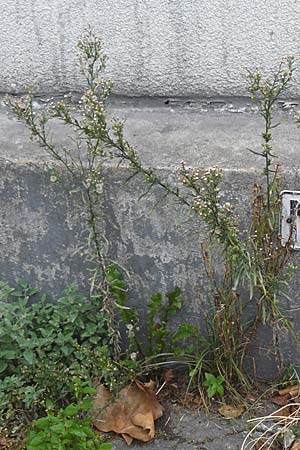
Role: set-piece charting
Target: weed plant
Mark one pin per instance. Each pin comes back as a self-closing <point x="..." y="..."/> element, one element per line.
<point x="67" y="429"/>
<point x="257" y="264"/>
<point x="44" y="346"/>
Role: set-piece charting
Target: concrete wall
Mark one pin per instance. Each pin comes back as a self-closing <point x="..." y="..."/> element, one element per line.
<point x="156" y="47"/>
<point x="160" y="247"/>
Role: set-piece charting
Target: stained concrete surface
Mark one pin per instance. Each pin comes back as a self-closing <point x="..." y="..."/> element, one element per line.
<point x="158" y="244"/>
<point x="203" y="133"/>
<point x="178" y="47"/>
<point x="181" y="429"/>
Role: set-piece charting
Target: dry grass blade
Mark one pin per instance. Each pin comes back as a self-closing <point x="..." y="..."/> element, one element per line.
<point x="274" y="425"/>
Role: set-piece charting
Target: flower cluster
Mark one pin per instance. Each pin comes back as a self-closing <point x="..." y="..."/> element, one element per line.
<point x="205" y="190"/>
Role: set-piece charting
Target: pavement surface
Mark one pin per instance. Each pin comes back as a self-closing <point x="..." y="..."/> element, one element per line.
<point x="181" y="429"/>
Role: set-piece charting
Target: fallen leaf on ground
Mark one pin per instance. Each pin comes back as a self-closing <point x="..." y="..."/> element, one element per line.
<point x="261" y="445"/>
<point x="131" y="414"/>
<point x="292" y="390"/>
<point x="191" y="401"/>
<point x="281" y="400"/>
<point x="295" y="411"/>
<point x="168" y="375"/>
<point x="231" y="412"/>
<point x="251" y="398"/>
<point x="295" y="446"/>
<point x="281" y="414"/>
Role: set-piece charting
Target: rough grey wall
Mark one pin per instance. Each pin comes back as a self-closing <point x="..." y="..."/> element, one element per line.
<point x="156" y="47"/>
<point x="159" y="246"/>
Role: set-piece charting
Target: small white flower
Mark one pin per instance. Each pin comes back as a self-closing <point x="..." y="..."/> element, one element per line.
<point x="133" y="356"/>
<point x="99" y="187"/>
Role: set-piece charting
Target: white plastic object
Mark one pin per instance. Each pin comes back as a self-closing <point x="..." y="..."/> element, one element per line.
<point x="290" y="218"/>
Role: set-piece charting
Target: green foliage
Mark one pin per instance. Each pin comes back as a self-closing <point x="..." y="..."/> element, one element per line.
<point x="44" y="345"/>
<point x="214" y="385"/>
<point x="160" y="339"/>
<point x="67" y="429"/>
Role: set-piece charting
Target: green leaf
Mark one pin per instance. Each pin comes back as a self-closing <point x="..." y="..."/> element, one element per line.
<point x="175" y="302"/>
<point x="58" y="428"/>
<point x="17" y="294"/>
<point x="211" y="391"/>
<point x="105" y="446"/>
<point x="94" y="339"/>
<point x="32" y="291"/>
<point x="73" y="316"/>
<point x="49" y="404"/>
<point x="89" y="390"/>
<point x="67" y="350"/>
<point x="29" y="357"/>
<point x="3" y="366"/>
<point x="43" y="423"/>
<point x="88" y="432"/>
<point x="210" y="378"/>
<point x="78" y="433"/>
<point x="37" y="440"/>
<point x="220" y="390"/>
<point x="185" y="331"/>
<point x="155" y="300"/>
<point x="90" y="329"/>
<point x="9" y="354"/>
<point x="86" y="404"/>
<point x="70" y="411"/>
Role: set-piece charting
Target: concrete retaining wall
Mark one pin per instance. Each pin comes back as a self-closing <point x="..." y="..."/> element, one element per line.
<point x="160" y="247"/>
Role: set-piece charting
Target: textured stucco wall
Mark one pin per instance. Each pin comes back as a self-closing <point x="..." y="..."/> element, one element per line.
<point x="156" y="47"/>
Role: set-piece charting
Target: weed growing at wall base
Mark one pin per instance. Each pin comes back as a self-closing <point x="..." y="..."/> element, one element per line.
<point x="257" y="263"/>
<point x="256" y="267"/>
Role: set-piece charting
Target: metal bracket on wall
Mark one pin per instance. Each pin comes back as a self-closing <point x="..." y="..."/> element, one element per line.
<point x="290" y="218"/>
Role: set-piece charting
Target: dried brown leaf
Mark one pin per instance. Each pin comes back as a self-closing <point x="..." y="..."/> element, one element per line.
<point x="281" y="400"/>
<point x="251" y="398"/>
<point x="281" y="414"/>
<point x="231" y="412"/>
<point x="263" y="445"/>
<point x="295" y="446"/>
<point x="168" y="375"/>
<point x="290" y="390"/>
<point x="132" y="414"/>
<point x="295" y="411"/>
